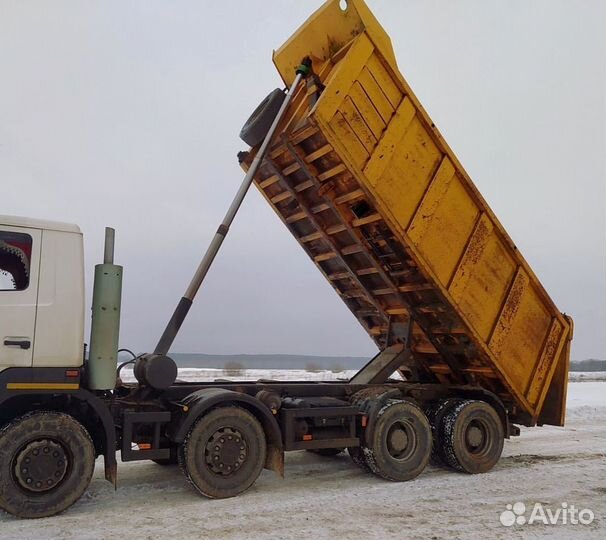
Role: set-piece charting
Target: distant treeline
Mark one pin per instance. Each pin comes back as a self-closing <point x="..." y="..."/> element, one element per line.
<point x="268" y="361"/>
<point x="591" y="364"/>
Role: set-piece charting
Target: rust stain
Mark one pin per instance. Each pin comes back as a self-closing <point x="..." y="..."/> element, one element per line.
<point x="546" y="361"/>
<point x="473" y="254"/>
<point x="435" y="193"/>
<point x="509" y="311"/>
<point x="478" y="242"/>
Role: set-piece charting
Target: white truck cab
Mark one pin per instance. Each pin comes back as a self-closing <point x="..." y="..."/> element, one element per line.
<point x="41" y="293"/>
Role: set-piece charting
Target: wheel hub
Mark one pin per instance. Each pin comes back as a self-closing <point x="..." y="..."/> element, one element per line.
<point x="41" y="465"/>
<point x="226" y="451"/>
<point x="475" y="437"/>
<point x="398" y="440"/>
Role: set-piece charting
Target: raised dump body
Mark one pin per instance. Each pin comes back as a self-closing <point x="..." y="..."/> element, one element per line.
<point x="362" y="178"/>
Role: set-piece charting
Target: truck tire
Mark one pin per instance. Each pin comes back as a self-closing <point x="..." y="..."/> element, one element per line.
<point x="364" y="400"/>
<point x="435" y="413"/>
<point x="472" y="437"/>
<point x="400" y="443"/>
<point x="224" y="452"/>
<point x="256" y="127"/>
<point x="47" y="462"/>
<point x="357" y="456"/>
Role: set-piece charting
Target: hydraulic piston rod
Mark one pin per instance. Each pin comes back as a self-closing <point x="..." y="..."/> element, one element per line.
<point x="173" y="326"/>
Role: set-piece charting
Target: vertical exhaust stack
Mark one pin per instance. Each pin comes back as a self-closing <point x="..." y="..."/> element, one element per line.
<point x="105" y="325"/>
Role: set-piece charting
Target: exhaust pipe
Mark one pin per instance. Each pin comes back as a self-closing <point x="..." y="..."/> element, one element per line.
<point x="105" y="324"/>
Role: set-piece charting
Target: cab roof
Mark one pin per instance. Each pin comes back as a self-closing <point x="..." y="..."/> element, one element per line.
<point x="17" y="221"/>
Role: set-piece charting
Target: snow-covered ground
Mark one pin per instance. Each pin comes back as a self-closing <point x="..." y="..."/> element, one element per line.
<point x="331" y="498"/>
<point x="212" y="374"/>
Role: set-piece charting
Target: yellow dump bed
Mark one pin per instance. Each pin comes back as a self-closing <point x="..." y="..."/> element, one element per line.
<point x="364" y="181"/>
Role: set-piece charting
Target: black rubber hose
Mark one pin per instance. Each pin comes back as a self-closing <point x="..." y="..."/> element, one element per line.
<point x="126" y="363"/>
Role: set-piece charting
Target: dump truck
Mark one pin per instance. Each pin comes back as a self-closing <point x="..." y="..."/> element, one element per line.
<point x="470" y="344"/>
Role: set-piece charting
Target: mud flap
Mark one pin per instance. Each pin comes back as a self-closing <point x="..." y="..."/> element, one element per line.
<point x="274" y="460"/>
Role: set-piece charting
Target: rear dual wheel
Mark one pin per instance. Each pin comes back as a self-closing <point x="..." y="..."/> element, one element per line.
<point x="471" y="437"/>
<point x="356" y="453"/>
<point x="465" y="435"/>
<point x="435" y="413"/>
<point x="224" y="452"/>
<point x="400" y="442"/>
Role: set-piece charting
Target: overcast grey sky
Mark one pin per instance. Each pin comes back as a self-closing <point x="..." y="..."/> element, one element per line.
<point x="127" y="114"/>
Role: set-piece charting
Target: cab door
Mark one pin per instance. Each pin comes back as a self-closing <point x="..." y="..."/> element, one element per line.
<point x="19" y="268"/>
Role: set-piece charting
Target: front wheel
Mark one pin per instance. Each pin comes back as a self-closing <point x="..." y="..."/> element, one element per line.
<point x="47" y="460"/>
<point x="224" y="452"/>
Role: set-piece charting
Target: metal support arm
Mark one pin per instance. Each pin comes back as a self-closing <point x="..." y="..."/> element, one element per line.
<point x="170" y="332"/>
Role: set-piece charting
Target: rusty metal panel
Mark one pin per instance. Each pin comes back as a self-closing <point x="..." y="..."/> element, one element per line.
<point x="363" y="179"/>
